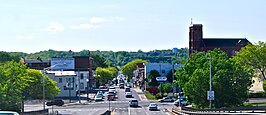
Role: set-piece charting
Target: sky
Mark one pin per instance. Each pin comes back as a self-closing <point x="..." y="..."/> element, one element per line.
<point x="124" y="25"/>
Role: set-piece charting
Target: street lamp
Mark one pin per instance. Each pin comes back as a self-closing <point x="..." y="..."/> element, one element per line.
<point x="43" y="87"/>
<point x="210" y="93"/>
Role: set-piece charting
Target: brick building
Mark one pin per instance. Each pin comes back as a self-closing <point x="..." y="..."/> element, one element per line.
<point x="197" y="43"/>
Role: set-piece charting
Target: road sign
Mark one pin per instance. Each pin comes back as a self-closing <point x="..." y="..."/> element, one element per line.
<point x="160" y="79"/>
<point x="210" y="95"/>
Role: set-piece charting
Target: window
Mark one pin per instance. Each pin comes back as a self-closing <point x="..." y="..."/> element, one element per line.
<point x="81" y="85"/>
<point x="163" y="71"/>
<point x="60" y="80"/>
<point x="81" y="76"/>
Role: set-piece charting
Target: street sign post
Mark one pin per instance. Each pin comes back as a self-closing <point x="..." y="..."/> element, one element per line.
<point x="210" y="95"/>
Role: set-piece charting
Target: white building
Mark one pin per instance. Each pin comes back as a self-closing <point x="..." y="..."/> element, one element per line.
<point x="66" y="81"/>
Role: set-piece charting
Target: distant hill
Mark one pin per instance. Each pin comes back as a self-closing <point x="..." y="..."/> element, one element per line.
<point x="119" y="58"/>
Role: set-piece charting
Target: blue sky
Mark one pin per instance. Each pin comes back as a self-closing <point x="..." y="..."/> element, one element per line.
<point x="124" y="25"/>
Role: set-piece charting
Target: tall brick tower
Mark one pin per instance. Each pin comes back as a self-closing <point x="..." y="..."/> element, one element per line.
<point x="195" y="38"/>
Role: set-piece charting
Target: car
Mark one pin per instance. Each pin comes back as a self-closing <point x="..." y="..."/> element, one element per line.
<point x="181" y="102"/>
<point x="153" y="106"/>
<point x="128" y="94"/>
<point x="167" y="99"/>
<point x="110" y="96"/>
<point x="98" y="98"/>
<point x="133" y="103"/>
<point x="112" y="89"/>
<point x="127" y="89"/>
<point x="121" y="86"/>
<point x="100" y="93"/>
<point x="8" y="113"/>
<point x="57" y="102"/>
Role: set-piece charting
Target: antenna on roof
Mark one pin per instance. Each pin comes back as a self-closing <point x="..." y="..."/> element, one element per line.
<point x="191" y="23"/>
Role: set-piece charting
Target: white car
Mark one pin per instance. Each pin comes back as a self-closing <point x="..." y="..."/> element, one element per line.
<point x="128" y="94"/>
<point x="181" y="102"/>
<point x="98" y="98"/>
<point x="153" y="106"/>
<point x="8" y="113"/>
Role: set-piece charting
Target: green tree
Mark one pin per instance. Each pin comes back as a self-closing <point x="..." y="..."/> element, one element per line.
<point x="4" y="57"/>
<point x="253" y="56"/>
<point x="18" y="83"/>
<point x="12" y="84"/>
<point x="230" y="80"/>
<point x="130" y="67"/>
<point x="35" y="84"/>
<point x="105" y="74"/>
<point x="167" y="87"/>
<point x="152" y="78"/>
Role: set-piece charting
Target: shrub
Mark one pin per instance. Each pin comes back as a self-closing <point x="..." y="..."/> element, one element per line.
<point x="158" y="96"/>
<point x="153" y="90"/>
<point x="264" y="85"/>
<point x="260" y="94"/>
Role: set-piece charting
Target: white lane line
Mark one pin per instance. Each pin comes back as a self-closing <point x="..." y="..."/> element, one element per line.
<point x="128" y="110"/>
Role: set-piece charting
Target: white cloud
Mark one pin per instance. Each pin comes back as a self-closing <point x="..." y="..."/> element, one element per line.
<point x="26" y="37"/>
<point x="53" y="28"/>
<point x="97" y="20"/>
<point x="93" y="23"/>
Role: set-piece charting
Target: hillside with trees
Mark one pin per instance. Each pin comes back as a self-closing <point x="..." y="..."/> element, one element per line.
<point x="119" y="58"/>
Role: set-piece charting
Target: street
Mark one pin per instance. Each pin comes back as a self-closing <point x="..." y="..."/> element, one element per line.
<point x="120" y="106"/>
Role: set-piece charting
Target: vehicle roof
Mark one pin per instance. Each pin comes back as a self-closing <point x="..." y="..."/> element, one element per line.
<point x="9" y="112"/>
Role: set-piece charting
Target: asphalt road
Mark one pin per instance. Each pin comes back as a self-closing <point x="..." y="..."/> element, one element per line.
<point x="120" y="106"/>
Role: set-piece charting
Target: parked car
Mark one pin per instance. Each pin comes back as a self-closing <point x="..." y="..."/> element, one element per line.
<point x="153" y="106"/>
<point x="133" y="103"/>
<point x="58" y="102"/>
<point x="167" y="99"/>
<point x="98" y="98"/>
<point x="128" y="94"/>
<point x="181" y="102"/>
<point x="8" y="113"/>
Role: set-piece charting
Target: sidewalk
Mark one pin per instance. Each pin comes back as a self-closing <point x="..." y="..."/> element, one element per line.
<point x="141" y="94"/>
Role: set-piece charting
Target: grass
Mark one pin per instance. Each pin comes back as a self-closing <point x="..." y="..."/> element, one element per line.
<point x="247" y="104"/>
<point x="150" y="96"/>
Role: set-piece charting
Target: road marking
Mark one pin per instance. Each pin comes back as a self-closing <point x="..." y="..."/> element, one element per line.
<point x="128" y="110"/>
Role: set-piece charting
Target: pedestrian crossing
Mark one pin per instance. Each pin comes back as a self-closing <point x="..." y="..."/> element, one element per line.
<point x="108" y="102"/>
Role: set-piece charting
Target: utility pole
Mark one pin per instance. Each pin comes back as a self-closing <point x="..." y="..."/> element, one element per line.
<point x="211" y="81"/>
<point x="173" y="72"/>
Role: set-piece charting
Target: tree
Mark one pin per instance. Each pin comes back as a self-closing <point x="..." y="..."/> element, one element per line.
<point x="4" y="57"/>
<point x="167" y="87"/>
<point x="152" y="78"/>
<point x="253" y="56"/>
<point x="105" y="74"/>
<point x="12" y="84"/>
<point x="18" y="83"/>
<point x="130" y="67"/>
<point x="230" y="80"/>
<point x="35" y="84"/>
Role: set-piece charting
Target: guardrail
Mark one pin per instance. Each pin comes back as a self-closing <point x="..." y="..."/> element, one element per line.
<point x="191" y="111"/>
<point x="254" y="109"/>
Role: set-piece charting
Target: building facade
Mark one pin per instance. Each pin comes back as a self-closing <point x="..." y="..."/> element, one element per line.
<point x="198" y="44"/>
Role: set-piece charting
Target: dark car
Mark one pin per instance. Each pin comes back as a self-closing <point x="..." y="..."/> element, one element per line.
<point x="133" y="103"/>
<point x="121" y="86"/>
<point x="58" y="102"/>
